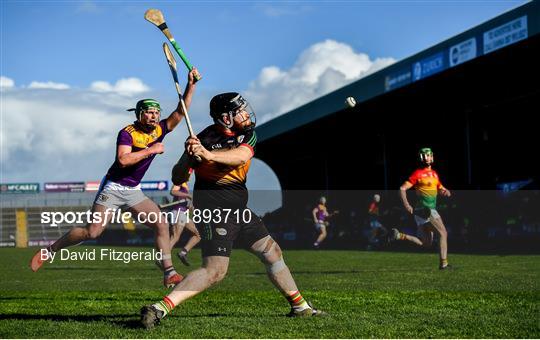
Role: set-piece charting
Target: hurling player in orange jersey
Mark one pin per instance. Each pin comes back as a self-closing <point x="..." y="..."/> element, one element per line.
<point x="225" y="149"/>
<point x="427" y="185"/>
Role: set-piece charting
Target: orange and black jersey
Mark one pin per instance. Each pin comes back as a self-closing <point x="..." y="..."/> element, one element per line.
<point x="219" y="185"/>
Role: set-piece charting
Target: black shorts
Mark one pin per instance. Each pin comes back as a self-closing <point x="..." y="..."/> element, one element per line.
<point x="217" y="239"/>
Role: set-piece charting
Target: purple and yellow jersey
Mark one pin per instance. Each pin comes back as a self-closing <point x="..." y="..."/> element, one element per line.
<point x="138" y="140"/>
<point x="183" y="203"/>
<point x="426" y="183"/>
<point x="321" y="212"/>
<point x="225" y="185"/>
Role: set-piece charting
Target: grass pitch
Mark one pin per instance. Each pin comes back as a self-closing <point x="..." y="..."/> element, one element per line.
<point x="367" y="294"/>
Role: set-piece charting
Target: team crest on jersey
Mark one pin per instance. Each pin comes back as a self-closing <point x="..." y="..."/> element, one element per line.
<point x="240" y="138"/>
<point x="221" y="231"/>
<point x="103" y="198"/>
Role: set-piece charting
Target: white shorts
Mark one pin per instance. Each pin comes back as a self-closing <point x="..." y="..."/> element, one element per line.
<point x="420" y="221"/>
<point x="113" y="195"/>
<point x="319" y="226"/>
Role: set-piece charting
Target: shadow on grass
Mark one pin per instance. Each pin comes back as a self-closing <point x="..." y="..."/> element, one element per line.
<point x="209" y="315"/>
<point x="317" y="272"/>
<point x="128" y="321"/>
<point x="79" y="298"/>
<point x="118" y="320"/>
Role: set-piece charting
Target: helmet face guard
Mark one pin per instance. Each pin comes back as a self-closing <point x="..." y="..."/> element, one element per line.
<point x="424" y="153"/>
<point x="141" y="107"/>
<point x="231" y="104"/>
<point x="248" y="123"/>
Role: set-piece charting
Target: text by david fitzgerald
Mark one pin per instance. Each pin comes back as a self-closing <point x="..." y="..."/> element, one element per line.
<point x="104" y="254"/>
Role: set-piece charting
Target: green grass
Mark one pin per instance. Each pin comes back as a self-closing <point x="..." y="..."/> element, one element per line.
<point x="367" y="294"/>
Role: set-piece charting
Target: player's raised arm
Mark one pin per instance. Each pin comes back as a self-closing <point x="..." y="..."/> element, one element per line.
<point x="176" y="116"/>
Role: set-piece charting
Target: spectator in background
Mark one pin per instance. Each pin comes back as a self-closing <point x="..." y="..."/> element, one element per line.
<point x="377" y="231"/>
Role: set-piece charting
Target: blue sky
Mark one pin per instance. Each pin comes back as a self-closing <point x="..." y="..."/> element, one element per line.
<point x="70" y="69"/>
<point x="75" y="42"/>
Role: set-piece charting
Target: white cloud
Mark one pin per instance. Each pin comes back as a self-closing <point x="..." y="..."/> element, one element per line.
<point x="6" y="83"/>
<point x="320" y="69"/>
<point x="101" y="86"/>
<point x="124" y="87"/>
<point x="50" y="135"/>
<point x="48" y="85"/>
<point x="52" y="127"/>
<point x="70" y="135"/>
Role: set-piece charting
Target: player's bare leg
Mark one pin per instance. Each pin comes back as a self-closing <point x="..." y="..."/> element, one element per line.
<point x="161" y="229"/>
<point x="213" y="270"/>
<point x="174" y="233"/>
<point x="438" y="225"/>
<point x="396" y="235"/>
<point x="177" y="230"/>
<point x="75" y="236"/>
<point x="322" y="236"/>
<point x="426" y="234"/>
<point x="194" y="239"/>
<point x="270" y="254"/>
<point x="192" y="242"/>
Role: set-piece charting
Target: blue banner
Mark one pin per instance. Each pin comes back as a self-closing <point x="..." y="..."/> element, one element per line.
<point x="155" y="185"/>
<point x="398" y="79"/>
<point x="428" y="66"/>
